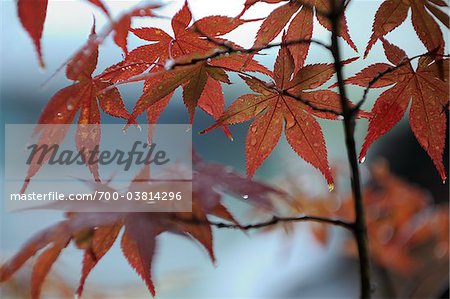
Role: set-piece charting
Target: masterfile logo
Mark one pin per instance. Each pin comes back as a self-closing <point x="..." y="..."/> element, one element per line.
<point x="142" y="169"/>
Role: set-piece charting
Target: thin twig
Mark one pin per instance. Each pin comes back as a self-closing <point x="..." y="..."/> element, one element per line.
<point x="273" y="221"/>
<point x="229" y="49"/>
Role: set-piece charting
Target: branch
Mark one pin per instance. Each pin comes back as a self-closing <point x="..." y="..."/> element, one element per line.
<point x="273" y="221"/>
<point x="229" y="49"/>
<point x="360" y="230"/>
<point x="380" y="75"/>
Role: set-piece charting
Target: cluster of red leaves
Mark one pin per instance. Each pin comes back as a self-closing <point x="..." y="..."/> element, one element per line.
<point x="271" y="107"/>
<point x="201" y="81"/>
<point x="95" y="233"/>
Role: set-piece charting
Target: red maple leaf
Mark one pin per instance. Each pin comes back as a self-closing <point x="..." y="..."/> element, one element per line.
<point x="200" y="82"/>
<point x="32" y="16"/>
<point x="423" y="87"/>
<point x="81" y="96"/>
<point x="392" y="13"/>
<point x="301" y="26"/>
<point x="271" y="107"/>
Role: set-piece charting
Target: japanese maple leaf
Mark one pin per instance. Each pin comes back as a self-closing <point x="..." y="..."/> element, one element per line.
<point x="271" y="107"/>
<point x="201" y="83"/>
<point x="423" y="88"/>
<point x="95" y="233"/>
<point x="301" y="26"/>
<point x="32" y="15"/>
<point x="83" y="96"/>
<point x="392" y="13"/>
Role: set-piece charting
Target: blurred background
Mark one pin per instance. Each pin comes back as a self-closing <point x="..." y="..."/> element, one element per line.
<point x="255" y="265"/>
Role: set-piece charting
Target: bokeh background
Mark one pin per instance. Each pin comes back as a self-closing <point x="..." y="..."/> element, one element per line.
<point x="248" y="265"/>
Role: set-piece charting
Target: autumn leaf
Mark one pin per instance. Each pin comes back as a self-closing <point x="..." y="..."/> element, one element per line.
<point x="32" y="15"/>
<point x="392" y="13"/>
<point x="270" y="107"/>
<point x="84" y="97"/>
<point x="301" y="26"/>
<point x="423" y="88"/>
<point x="200" y="82"/>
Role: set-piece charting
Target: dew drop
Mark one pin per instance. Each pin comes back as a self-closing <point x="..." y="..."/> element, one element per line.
<point x="340" y="117"/>
<point x="330" y="187"/>
<point x="59" y="115"/>
<point x="254" y="129"/>
<point x="253" y="142"/>
<point x="245" y="196"/>
<point x="208" y="60"/>
<point x="160" y="87"/>
<point x="169" y="64"/>
<point x="362" y="160"/>
<point x="69" y="107"/>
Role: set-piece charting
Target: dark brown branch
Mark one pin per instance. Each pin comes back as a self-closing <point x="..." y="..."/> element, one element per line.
<point x="380" y="75"/>
<point x="229" y="49"/>
<point x="360" y="230"/>
<point x="273" y="221"/>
